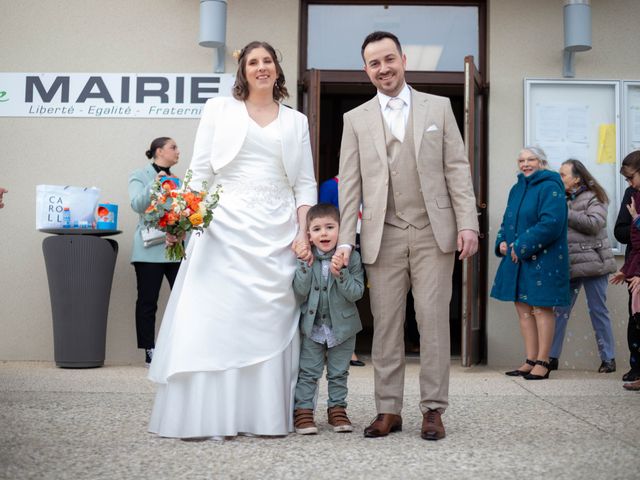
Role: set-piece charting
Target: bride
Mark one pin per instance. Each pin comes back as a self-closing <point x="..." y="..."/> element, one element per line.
<point x="226" y="359"/>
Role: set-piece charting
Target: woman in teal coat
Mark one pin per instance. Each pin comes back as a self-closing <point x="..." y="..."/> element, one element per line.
<point x="148" y="258"/>
<point x="534" y="272"/>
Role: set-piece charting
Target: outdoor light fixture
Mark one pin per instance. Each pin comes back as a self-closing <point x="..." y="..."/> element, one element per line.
<point x="213" y="28"/>
<point x="577" y="32"/>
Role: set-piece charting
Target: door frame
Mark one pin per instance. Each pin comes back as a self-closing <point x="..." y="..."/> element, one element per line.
<point x="474" y="83"/>
<point x="474" y="269"/>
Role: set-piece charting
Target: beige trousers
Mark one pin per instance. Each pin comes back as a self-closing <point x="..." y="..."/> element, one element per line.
<point x="410" y="258"/>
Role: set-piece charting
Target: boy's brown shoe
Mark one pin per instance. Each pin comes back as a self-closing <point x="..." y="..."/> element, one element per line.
<point x="338" y="419"/>
<point x="303" y="421"/>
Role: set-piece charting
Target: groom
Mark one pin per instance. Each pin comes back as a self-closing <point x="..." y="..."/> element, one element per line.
<point x="402" y="156"/>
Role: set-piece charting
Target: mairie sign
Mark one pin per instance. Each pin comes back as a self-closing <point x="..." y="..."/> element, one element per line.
<point x="110" y="95"/>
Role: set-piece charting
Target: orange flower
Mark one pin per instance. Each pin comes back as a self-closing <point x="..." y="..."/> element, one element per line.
<point x="192" y="200"/>
<point x="196" y="219"/>
<point x="169" y="185"/>
<point x="163" y="221"/>
<point x="172" y="217"/>
<point x="150" y="208"/>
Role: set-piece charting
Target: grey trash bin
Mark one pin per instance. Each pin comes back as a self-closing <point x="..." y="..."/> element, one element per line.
<point x="80" y="273"/>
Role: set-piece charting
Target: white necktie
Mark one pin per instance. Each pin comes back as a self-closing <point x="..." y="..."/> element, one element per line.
<point x="396" y="118"/>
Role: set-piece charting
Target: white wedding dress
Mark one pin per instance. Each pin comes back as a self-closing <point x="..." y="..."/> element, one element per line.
<point x="226" y="359"/>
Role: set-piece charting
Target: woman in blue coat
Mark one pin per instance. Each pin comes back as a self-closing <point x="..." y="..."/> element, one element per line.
<point x="534" y="272"/>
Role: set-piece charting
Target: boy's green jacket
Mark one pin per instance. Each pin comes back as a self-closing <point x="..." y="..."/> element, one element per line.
<point x="343" y="292"/>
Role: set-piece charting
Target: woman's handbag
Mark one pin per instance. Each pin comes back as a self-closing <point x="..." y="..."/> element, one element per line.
<point x="152" y="236"/>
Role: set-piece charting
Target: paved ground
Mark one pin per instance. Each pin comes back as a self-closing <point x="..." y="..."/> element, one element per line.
<point x="91" y="424"/>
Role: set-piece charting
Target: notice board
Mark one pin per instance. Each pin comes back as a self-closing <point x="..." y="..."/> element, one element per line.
<point x="579" y="119"/>
<point x="631" y="117"/>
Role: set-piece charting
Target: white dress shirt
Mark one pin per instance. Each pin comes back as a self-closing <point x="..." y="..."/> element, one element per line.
<point x="405" y="95"/>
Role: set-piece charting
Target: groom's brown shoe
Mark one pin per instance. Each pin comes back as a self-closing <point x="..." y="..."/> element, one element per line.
<point x="432" y="427"/>
<point x="383" y="425"/>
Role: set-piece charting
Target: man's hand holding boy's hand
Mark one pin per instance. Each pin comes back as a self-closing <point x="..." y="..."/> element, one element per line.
<point x="337" y="263"/>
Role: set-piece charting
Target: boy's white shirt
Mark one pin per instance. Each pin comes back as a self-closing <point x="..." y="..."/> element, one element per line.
<point x="322" y="333"/>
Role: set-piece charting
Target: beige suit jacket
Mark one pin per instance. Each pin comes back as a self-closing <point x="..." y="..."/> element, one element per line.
<point x="442" y="167"/>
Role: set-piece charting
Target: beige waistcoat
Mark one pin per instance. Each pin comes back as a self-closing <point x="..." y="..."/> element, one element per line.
<point x="405" y="203"/>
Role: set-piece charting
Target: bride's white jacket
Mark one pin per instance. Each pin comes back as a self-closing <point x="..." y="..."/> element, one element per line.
<point x="222" y="131"/>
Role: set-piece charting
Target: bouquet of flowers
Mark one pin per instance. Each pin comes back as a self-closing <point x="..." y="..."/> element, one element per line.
<point x="180" y="210"/>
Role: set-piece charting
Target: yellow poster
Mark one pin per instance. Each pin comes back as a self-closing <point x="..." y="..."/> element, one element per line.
<point x="607" y="143"/>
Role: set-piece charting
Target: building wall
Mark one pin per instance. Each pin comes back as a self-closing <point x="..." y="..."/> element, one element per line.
<point x="526" y="40"/>
<point x="97" y="36"/>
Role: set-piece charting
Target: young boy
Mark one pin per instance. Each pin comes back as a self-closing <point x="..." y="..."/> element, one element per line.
<point x="329" y="320"/>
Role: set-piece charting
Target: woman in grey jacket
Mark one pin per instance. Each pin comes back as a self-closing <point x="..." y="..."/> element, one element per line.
<point x="591" y="260"/>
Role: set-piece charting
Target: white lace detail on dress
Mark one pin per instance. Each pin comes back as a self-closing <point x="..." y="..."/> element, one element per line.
<point x="260" y="193"/>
